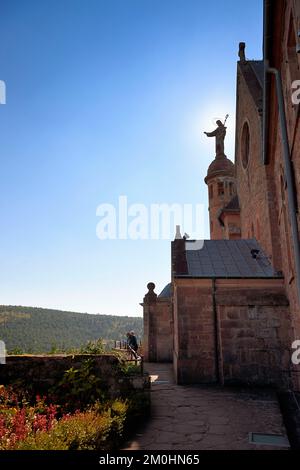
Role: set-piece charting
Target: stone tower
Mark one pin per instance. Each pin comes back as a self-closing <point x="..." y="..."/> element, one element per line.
<point x="221" y="184"/>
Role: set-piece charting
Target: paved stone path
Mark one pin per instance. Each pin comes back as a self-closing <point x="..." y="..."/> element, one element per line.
<point x="205" y="417"/>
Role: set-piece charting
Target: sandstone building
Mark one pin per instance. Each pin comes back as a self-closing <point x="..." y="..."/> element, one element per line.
<point x="232" y="309"/>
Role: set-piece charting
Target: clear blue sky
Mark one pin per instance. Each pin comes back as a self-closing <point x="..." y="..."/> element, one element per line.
<point x="107" y="98"/>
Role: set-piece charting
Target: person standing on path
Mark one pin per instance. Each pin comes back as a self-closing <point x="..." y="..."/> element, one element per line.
<point x="133" y="344"/>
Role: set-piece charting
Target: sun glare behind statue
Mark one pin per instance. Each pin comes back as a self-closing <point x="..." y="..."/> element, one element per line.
<point x="202" y="120"/>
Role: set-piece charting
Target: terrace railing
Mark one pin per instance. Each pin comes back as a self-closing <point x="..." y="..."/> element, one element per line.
<point x="130" y="354"/>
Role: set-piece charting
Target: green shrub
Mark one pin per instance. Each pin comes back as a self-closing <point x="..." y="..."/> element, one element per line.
<point x="124" y="366"/>
<point x="131" y="368"/>
<point x="93" y="347"/>
<point x="79" y="387"/>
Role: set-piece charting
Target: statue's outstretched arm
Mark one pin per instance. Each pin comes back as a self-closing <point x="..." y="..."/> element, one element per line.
<point x="211" y="134"/>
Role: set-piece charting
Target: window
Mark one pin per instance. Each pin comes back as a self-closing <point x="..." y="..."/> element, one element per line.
<point x="220" y="189"/>
<point x="211" y="191"/>
<point x="245" y="145"/>
<point x="231" y="189"/>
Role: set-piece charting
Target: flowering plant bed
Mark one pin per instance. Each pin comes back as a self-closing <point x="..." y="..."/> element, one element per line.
<point x="74" y="413"/>
<point x="43" y="426"/>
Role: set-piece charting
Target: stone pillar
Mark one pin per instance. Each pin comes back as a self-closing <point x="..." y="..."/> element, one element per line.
<point x="149" y="306"/>
<point x="158" y="326"/>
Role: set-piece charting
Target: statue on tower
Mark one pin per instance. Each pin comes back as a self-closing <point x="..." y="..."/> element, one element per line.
<point x="219" y="133"/>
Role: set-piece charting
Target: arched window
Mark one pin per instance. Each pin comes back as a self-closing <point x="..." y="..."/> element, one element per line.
<point x="245" y="145"/>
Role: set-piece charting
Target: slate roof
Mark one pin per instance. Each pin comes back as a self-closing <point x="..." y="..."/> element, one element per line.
<point x="258" y="68"/>
<point x="233" y="205"/>
<point x="166" y="292"/>
<point x="227" y="259"/>
<point x="253" y="70"/>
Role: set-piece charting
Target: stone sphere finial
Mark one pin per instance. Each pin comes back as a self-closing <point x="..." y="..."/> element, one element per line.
<point x="150" y="297"/>
<point x="150" y="286"/>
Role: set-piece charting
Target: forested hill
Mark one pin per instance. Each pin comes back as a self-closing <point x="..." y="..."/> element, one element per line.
<point x="38" y="330"/>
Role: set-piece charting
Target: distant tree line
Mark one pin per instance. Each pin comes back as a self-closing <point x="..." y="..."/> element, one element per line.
<point x="39" y="330"/>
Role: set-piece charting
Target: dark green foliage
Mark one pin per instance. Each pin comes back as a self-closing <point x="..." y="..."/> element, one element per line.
<point x="38" y="330"/>
<point x="130" y="368"/>
<point x="93" y="347"/>
<point x="79" y="387"/>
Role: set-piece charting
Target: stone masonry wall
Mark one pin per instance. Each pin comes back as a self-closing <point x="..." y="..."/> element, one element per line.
<point x="42" y="372"/>
<point x="194" y="351"/>
<point x="247" y="335"/>
<point x="217" y="202"/>
<point x="285" y="58"/>
<point x="232" y="226"/>
<point x="254" y="327"/>
<point x="251" y="180"/>
<point x="158" y="330"/>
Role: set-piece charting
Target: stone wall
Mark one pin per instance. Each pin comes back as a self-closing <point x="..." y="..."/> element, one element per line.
<point x="251" y="178"/>
<point x="218" y="202"/>
<point x="262" y="188"/>
<point x="254" y="326"/>
<point x="158" y="330"/>
<point x="283" y="56"/>
<point x="194" y="345"/>
<point x="42" y="372"/>
<point x="232" y="225"/>
<point x="240" y="335"/>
